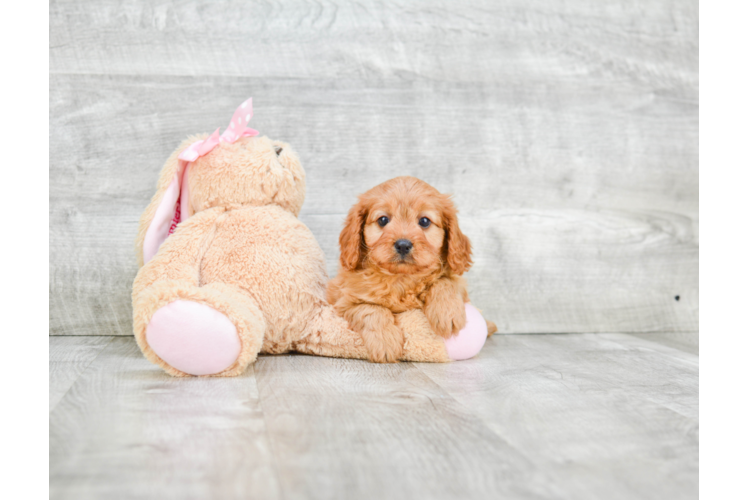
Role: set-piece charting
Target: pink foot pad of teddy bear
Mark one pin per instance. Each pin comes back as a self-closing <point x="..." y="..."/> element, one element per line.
<point x="469" y="341"/>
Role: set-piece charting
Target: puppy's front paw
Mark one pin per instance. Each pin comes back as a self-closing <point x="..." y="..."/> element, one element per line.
<point x="446" y="315"/>
<point x="385" y="346"/>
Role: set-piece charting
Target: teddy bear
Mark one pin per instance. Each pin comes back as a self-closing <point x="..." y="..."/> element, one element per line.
<point x="227" y="269"/>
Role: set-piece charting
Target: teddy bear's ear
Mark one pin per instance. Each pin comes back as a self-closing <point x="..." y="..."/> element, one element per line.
<point x="168" y="207"/>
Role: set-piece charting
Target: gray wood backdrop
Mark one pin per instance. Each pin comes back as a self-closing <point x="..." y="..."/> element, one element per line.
<point x="567" y="132"/>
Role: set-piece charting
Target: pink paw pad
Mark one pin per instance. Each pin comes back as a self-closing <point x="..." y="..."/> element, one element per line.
<point x="469" y="341"/>
<point x="193" y="338"/>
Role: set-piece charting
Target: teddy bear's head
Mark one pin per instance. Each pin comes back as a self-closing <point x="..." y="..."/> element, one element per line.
<point x="232" y="169"/>
<point x="250" y="171"/>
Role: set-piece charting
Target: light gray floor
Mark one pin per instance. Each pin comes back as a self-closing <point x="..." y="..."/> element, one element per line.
<point x="533" y="416"/>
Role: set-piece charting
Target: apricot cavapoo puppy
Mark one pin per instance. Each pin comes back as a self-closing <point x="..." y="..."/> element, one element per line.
<point x="401" y="249"/>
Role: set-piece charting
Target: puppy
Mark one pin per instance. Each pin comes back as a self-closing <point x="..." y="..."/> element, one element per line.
<point x="401" y="249"/>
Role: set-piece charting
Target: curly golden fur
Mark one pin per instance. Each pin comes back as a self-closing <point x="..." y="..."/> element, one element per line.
<point x="401" y="249"/>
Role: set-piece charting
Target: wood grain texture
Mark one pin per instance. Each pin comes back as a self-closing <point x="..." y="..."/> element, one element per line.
<point x="605" y="415"/>
<point x="125" y="429"/>
<point x="68" y="358"/>
<point x="568" y="134"/>
<point x="353" y="429"/>
<point x="440" y="40"/>
<point x="533" y="416"/>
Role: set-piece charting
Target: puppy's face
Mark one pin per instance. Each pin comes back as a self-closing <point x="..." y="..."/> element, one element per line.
<point x="404" y="226"/>
<point x="404" y="234"/>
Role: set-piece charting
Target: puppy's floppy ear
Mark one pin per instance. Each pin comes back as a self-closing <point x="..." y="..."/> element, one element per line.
<point x="456" y="244"/>
<point x="351" y="237"/>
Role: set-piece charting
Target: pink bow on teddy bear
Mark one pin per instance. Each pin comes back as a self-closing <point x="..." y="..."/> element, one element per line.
<point x="176" y="197"/>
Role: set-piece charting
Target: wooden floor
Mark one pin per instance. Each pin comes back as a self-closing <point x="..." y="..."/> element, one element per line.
<point x="533" y="416"/>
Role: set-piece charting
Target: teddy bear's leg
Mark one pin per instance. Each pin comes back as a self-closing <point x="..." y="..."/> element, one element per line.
<point x="215" y="329"/>
<point x="188" y="329"/>
<point x="327" y="334"/>
<point x="421" y="344"/>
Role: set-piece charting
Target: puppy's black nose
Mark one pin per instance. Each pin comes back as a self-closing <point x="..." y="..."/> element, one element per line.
<point x="403" y="247"/>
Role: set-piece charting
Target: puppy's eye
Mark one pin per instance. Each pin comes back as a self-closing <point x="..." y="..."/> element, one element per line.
<point x="278" y="151"/>
<point x="383" y="220"/>
<point x="424" y="222"/>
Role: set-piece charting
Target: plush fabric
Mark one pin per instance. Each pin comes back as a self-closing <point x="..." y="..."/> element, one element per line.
<point x="469" y="341"/>
<point x="240" y="255"/>
<point x="193" y="338"/>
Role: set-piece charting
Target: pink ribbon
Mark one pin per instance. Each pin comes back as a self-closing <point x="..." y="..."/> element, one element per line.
<point x="237" y="128"/>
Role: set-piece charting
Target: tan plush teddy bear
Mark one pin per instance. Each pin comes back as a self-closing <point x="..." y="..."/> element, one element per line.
<point x="228" y="271"/>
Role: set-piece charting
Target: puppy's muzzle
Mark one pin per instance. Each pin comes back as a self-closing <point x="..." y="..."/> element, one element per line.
<point x="403" y="247"/>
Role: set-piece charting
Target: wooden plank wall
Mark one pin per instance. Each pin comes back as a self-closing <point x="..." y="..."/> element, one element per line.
<point x="567" y="132"/>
